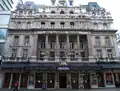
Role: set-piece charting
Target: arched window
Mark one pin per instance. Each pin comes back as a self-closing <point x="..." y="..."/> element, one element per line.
<point x="71" y="12"/>
<point x="62" y="12"/>
<point x="52" y="12"/>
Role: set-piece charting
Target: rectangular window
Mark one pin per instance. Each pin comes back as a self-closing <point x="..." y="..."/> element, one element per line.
<point x="61" y="45"/>
<point x="52" y="55"/>
<point x="42" y="24"/>
<point x="107" y="41"/>
<point x="81" y="44"/>
<point x="26" y="41"/>
<point x="42" y="53"/>
<point x="16" y="40"/>
<point x="43" y="44"/>
<point x="52" y="45"/>
<point x="25" y="53"/>
<point x="71" y="45"/>
<point x="97" y="41"/>
<point x="14" y="54"/>
<point x="28" y="24"/>
<point x="99" y="53"/>
<point x="109" y="53"/>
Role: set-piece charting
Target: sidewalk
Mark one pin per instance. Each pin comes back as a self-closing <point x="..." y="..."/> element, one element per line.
<point x="97" y="89"/>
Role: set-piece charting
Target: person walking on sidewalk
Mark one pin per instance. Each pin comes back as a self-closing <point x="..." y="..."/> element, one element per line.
<point x="16" y="86"/>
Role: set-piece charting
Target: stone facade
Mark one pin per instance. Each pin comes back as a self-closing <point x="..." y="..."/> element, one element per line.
<point x="61" y="46"/>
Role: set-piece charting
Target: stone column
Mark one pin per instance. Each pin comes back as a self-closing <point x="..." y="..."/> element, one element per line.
<point x="68" y="47"/>
<point x="69" y="80"/>
<point x="11" y="78"/>
<point x="56" y="80"/>
<point x="34" y="47"/>
<point x="21" y="44"/>
<point x="90" y="53"/>
<point x="113" y="80"/>
<point x="19" y="81"/>
<point x="78" y="43"/>
<point x="31" y="80"/>
<point x="57" y="48"/>
<point x="81" y="80"/>
<point x="45" y="77"/>
<point x="47" y="47"/>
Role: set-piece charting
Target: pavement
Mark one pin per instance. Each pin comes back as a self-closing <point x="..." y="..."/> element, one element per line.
<point x="98" y="89"/>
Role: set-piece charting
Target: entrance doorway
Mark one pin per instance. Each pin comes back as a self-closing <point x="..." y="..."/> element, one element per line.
<point x="100" y="78"/>
<point x="74" y="80"/>
<point x="62" y="80"/>
<point x="50" y="80"/>
<point x="38" y="80"/>
<point x="86" y="80"/>
<point x="117" y="79"/>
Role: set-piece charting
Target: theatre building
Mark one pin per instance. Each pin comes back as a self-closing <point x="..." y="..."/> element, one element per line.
<point x="63" y="46"/>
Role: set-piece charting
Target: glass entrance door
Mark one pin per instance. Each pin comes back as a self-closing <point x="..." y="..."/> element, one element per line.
<point x="100" y="78"/>
<point x="86" y="80"/>
<point x="74" y="80"/>
<point x="117" y="79"/>
<point x="24" y="80"/>
<point x="38" y="80"/>
<point x="15" y="78"/>
<point x="7" y="80"/>
<point x="50" y="80"/>
<point x="62" y="80"/>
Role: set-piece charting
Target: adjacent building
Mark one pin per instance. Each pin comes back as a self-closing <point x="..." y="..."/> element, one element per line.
<point x="63" y="46"/>
<point x="4" y="17"/>
<point x="6" y="4"/>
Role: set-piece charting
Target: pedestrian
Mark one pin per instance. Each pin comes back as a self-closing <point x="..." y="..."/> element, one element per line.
<point x="44" y="86"/>
<point x="16" y="86"/>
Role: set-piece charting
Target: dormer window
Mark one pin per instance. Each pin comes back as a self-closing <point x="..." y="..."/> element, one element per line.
<point x="52" y="12"/>
<point x="62" y="24"/>
<point x="28" y="22"/>
<point x="42" y="23"/>
<point x="18" y="22"/>
<point x="105" y="24"/>
<point x="72" y="23"/>
<point x="71" y="12"/>
<point x="62" y="12"/>
<point x="52" y="24"/>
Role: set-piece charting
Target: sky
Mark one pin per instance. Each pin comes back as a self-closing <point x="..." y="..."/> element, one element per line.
<point x="111" y="6"/>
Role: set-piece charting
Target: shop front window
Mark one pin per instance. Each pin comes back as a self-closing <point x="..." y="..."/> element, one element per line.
<point x="24" y="80"/>
<point x="7" y="80"/>
<point x="109" y="80"/>
<point x="93" y="79"/>
<point x="15" y="78"/>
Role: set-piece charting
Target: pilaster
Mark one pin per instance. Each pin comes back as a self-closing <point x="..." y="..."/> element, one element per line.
<point x="56" y="80"/>
<point x="68" y="47"/>
<point x="57" y="48"/>
<point x="69" y="80"/>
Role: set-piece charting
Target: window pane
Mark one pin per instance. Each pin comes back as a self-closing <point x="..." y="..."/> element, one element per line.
<point x="4" y="19"/>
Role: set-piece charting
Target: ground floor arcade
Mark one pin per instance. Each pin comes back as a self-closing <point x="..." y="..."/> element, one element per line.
<point x="61" y="79"/>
